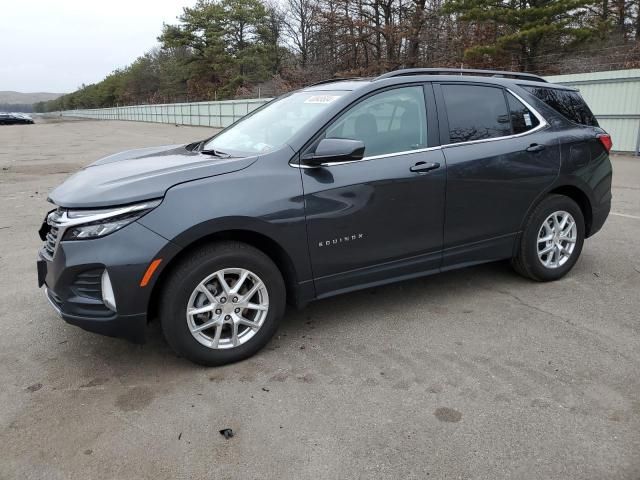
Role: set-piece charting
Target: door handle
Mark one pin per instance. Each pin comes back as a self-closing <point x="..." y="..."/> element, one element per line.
<point x="422" y="167"/>
<point x="535" y="147"/>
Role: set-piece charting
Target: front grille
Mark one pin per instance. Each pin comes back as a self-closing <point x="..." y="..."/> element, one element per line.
<point x="51" y="240"/>
<point x="88" y="284"/>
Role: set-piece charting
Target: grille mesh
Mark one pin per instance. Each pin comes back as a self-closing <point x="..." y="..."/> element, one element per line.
<point x="51" y="240"/>
<point x="89" y="284"/>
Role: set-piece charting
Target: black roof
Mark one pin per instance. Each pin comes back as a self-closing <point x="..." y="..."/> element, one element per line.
<point x="493" y="76"/>
<point x="460" y="71"/>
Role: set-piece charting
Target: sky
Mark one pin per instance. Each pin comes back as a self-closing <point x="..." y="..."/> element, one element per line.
<point x="57" y="45"/>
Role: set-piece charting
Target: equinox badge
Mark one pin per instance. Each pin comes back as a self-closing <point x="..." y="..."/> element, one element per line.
<point x="339" y="240"/>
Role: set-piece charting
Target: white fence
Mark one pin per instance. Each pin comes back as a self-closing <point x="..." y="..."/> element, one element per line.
<point x="208" y="114"/>
<point x="613" y="96"/>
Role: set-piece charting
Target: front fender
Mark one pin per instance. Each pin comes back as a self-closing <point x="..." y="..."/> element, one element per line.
<point x="266" y="199"/>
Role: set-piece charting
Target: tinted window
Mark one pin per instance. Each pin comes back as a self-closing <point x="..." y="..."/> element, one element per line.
<point x="567" y="103"/>
<point x="476" y="112"/>
<point x="388" y="122"/>
<point x="522" y="119"/>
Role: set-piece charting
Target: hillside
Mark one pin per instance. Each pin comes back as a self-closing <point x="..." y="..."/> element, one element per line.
<point x="9" y="97"/>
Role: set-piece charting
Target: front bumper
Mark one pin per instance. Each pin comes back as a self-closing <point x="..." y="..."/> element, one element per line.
<point x="131" y="327"/>
<point x="71" y="278"/>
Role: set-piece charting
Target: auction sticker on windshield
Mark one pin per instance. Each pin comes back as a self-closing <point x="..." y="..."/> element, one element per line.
<point x="322" y="99"/>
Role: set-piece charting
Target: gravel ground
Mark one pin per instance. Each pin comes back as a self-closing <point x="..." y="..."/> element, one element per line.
<point x="474" y="374"/>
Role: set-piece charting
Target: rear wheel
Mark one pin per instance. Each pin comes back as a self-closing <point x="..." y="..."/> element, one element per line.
<point x="222" y="303"/>
<point x="552" y="239"/>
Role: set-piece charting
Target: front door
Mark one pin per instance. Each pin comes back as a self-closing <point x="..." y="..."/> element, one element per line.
<point x="380" y="217"/>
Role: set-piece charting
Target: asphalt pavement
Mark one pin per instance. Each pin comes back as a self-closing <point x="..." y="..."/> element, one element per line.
<point x="473" y="374"/>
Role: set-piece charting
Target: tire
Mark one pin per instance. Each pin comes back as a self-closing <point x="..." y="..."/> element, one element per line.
<point x="528" y="262"/>
<point x="184" y="288"/>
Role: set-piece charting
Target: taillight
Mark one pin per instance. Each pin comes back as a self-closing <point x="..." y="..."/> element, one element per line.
<point x="606" y="142"/>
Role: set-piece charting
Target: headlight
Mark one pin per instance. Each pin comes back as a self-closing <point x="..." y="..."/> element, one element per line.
<point x="86" y="224"/>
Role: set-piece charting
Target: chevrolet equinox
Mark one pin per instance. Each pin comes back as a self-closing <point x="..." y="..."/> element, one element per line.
<point x="343" y="185"/>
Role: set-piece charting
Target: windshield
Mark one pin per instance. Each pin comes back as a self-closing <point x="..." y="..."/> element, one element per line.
<point x="273" y="126"/>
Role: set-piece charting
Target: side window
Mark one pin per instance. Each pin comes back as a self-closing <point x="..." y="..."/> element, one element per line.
<point x="567" y="103"/>
<point x="388" y="122"/>
<point x="475" y="112"/>
<point x="522" y="119"/>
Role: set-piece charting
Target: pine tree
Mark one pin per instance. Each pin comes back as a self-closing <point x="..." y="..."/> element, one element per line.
<point x="523" y="29"/>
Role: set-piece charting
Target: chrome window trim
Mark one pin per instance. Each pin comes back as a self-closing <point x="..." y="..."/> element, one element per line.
<point x="372" y="157"/>
<point x="541" y="119"/>
<point x="543" y="124"/>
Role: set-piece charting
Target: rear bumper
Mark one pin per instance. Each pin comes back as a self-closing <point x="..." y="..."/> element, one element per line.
<point x="599" y="216"/>
<point x="72" y="280"/>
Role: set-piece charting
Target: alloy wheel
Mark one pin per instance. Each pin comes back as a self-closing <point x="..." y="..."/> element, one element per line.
<point x="227" y="308"/>
<point x="557" y="239"/>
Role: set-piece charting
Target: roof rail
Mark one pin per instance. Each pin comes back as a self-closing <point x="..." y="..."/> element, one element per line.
<point x="460" y="71"/>
<point x="331" y="80"/>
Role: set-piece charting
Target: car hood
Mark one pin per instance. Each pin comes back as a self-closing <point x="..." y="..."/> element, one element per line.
<point x="138" y="175"/>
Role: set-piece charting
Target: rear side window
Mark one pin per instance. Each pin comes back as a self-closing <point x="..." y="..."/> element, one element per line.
<point x="522" y="119"/>
<point x="567" y="103"/>
<point x="476" y="112"/>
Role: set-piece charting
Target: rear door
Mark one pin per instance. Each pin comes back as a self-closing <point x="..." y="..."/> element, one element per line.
<point x="501" y="155"/>
<point x="380" y="217"/>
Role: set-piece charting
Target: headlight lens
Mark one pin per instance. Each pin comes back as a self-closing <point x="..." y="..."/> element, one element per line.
<point x="87" y="224"/>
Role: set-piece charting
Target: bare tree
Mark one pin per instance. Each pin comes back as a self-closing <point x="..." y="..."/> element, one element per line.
<point x="299" y="25"/>
<point x="417" y="22"/>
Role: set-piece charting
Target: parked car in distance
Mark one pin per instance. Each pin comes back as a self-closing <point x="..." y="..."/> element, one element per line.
<point x="339" y="186"/>
<point x="15" y="119"/>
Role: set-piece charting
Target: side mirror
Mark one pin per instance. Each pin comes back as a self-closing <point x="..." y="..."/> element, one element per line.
<point x="331" y="150"/>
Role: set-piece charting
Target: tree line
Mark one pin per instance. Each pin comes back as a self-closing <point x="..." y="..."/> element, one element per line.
<point x="16" y="107"/>
<point x="223" y="49"/>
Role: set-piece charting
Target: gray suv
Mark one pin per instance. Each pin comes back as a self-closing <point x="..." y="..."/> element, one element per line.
<point x="342" y="185"/>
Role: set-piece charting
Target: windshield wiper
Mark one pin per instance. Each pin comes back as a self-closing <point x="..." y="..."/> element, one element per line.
<point x="216" y="153"/>
<point x="193" y="147"/>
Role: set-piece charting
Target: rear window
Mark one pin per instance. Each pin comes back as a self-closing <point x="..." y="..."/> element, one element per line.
<point x="567" y="103"/>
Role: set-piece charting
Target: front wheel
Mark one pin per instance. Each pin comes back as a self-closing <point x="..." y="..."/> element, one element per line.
<point x="552" y="239"/>
<point x="222" y="303"/>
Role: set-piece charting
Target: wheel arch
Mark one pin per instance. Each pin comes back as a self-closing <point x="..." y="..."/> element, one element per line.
<point x="258" y="240"/>
<point x="582" y="199"/>
<point x="574" y="192"/>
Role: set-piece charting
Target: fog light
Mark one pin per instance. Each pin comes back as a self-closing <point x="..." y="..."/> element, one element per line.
<point x="108" y="297"/>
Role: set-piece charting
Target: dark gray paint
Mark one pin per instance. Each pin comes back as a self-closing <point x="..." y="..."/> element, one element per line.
<point x="469" y="210"/>
<point x="397" y="213"/>
<point x="137" y="175"/>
